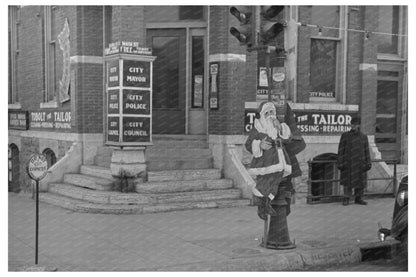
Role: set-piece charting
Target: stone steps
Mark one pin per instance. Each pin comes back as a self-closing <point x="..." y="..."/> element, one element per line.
<point x="178" y="144"/>
<point x="183" y="186"/>
<point x="87" y="181"/>
<point x="96" y="171"/>
<point x="180" y="176"/>
<point x="183" y="175"/>
<point x="112" y="197"/>
<point x="101" y="197"/>
<point x="179" y="164"/>
<point x="87" y="207"/>
<point x="177" y="153"/>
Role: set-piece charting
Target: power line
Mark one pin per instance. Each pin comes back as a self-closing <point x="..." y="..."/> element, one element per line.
<point x="343" y="29"/>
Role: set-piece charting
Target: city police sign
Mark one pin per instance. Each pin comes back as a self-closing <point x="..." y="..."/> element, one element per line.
<point x="37" y="167"/>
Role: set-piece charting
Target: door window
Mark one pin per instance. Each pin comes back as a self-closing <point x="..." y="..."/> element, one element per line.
<point x="166" y="72"/>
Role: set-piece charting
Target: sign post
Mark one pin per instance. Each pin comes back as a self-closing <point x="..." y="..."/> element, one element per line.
<point x="37" y="169"/>
<point x="129" y="89"/>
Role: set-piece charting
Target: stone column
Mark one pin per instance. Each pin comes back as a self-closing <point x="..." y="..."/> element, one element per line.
<point x="131" y="161"/>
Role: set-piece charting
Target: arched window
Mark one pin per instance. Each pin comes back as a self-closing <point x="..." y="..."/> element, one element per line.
<point x="50" y="157"/>
<point x="323" y="172"/>
<point x="14" y="168"/>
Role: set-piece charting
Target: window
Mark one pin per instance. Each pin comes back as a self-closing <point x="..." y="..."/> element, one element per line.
<point x="50" y="55"/>
<point x="326" y="16"/>
<point x="14" y="13"/>
<point x="198" y="71"/>
<point x="50" y="157"/>
<point x="173" y="13"/>
<point x="327" y="43"/>
<point x="166" y="72"/>
<point x="323" y="67"/>
<point x="108" y="11"/>
<point x="191" y="12"/>
<point x="388" y="22"/>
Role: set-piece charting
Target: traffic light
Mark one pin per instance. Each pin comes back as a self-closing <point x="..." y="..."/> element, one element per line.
<point x="272" y="24"/>
<point x="246" y="33"/>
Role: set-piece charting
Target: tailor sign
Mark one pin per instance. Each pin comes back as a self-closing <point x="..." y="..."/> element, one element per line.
<point x="58" y="120"/>
<point x="323" y="122"/>
<point x="311" y="122"/>
<point x="37" y="167"/>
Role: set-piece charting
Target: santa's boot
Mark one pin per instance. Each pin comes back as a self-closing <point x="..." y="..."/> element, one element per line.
<point x="269" y="208"/>
<point x="260" y="202"/>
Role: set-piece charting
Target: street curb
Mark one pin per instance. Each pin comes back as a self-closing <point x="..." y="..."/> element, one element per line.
<point x="284" y="260"/>
<point x="379" y="249"/>
<point x="291" y="260"/>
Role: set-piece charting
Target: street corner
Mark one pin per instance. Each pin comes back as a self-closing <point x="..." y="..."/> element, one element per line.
<point x="374" y="250"/>
<point x="327" y="256"/>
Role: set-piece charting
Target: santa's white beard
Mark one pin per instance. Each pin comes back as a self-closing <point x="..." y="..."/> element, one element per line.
<point x="270" y="125"/>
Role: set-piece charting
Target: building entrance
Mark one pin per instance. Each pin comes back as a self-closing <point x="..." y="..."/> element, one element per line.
<point x="169" y="80"/>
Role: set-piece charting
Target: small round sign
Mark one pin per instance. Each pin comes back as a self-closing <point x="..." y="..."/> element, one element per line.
<point x="37" y="167"/>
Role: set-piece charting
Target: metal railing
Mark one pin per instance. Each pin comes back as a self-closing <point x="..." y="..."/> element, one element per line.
<point x="315" y="199"/>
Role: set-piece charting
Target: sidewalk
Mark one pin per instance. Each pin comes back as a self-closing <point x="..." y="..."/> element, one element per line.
<point x="195" y="240"/>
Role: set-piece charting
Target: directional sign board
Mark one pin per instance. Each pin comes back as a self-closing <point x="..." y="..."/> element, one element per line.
<point x="37" y="167"/>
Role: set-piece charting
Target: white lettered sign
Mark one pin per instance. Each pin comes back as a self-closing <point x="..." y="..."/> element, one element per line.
<point x="37" y="167"/>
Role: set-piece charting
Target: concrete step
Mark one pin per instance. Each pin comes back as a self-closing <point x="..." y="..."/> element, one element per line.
<point x="88" y="181"/>
<point x="87" y="207"/>
<point x="178" y="144"/>
<point x="100" y="197"/>
<point x="163" y="164"/>
<point x="96" y="171"/>
<point x="102" y="161"/>
<point x="177" y="153"/>
<point x="199" y="196"/>
<point x="183" y="175"/>
<point x="104" y="151"/>
<point x="183" y="186"/>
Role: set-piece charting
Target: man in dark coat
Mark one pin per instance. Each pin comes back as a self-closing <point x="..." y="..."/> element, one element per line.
<point x="354" y="161"/>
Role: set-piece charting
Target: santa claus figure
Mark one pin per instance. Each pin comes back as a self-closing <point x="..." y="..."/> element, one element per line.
<point x="270" y="160"/>
<point x="274" y="142"/>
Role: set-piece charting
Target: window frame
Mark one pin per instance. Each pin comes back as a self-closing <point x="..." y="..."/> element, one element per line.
<point x="14" y="21"/>
<point x="401" y="40"/>
<point x="50" y="80"/>
<point x="341" y="59"/>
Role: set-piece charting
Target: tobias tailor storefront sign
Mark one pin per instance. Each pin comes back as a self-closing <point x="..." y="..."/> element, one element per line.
<point x="323" y="122"/>
<point x="129" y="99"/>
<point x="310" y="122"/>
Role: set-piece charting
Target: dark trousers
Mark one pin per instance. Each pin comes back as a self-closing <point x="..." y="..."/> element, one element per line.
<point x="358" y="192"/>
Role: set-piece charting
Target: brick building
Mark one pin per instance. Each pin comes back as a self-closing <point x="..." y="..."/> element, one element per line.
<point x="341" y="62"/>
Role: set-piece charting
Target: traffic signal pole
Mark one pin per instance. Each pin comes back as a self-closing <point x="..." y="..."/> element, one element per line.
<point x="258" y="30"/>
<point x="267" y="49"/>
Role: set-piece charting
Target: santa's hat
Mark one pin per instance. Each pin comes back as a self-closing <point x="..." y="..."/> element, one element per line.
<point x="265" y="107"/>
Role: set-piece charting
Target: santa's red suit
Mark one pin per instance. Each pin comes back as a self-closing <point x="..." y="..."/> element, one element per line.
<point x="273" y="165"/>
